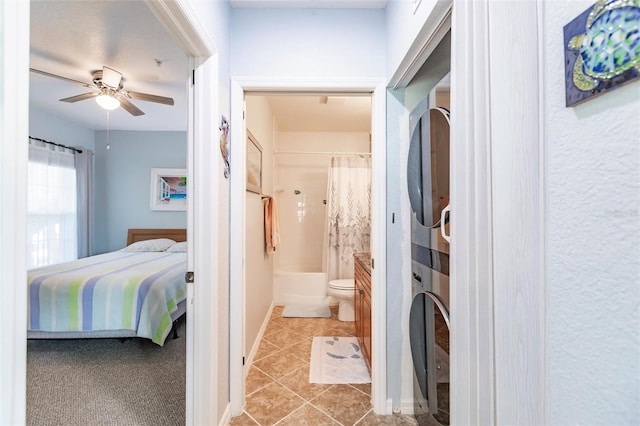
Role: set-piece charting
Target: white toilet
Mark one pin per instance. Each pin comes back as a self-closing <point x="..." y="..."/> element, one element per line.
<point x="343" y="291"/>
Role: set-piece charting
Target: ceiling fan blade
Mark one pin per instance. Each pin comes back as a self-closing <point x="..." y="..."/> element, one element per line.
<point x="128" y="106"/>
<point x="150" y="98"/>
<point x="111" y="78"/>
<point x="80" y="97"/>
<point x="60" y="77"/>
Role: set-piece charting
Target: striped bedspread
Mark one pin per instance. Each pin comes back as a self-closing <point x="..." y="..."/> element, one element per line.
<point x="120" y="290"/>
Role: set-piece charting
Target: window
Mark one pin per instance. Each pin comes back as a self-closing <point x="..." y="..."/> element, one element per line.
<point x="51" y="206"/>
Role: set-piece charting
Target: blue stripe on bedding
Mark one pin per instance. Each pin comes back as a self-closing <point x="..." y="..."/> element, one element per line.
<point x="87" y="290"/>
<point x="146" y="285"/>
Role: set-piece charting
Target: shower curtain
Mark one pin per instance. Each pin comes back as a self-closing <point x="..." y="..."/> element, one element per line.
<point x="349" y="214"/>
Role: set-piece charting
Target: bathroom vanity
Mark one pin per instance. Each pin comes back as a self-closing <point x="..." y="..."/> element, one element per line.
<point x="362" y="302"/>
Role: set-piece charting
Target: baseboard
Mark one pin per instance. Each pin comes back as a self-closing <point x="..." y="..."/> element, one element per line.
<point x="407" y="406"/>
<point x="226" y="416"/>
<point x="388" y="407"/>
<point x="256" y="343"/>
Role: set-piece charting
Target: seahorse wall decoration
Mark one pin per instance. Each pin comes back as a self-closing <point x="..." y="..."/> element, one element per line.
<point x="224" y="145"/>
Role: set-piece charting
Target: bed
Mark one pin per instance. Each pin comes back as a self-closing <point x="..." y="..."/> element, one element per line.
<point x="138" y="291"/>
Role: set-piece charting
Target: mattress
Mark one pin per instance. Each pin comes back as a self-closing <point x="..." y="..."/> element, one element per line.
<point x="131" y="292"/>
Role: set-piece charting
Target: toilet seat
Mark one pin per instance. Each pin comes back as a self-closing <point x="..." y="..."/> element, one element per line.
<point x="344" y="284"/>
<point x="341" y="293"/>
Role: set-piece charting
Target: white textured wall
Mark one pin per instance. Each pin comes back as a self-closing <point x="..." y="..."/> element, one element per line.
<point x="592" y="179"/>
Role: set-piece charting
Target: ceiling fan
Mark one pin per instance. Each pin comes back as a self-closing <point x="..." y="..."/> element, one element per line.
<point x="108" y="90"/>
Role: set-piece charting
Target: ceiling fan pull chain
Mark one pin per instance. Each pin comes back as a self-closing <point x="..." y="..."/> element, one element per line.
<point x="108" y="146"/>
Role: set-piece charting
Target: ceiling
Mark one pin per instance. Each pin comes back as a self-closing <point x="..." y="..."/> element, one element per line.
<point x="318" y="113"/>
<point x="73" y="38"/>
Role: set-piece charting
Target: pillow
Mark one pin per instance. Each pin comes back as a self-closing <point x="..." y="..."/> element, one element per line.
<point x="156" y="244"/>
<point x="178" y="248"/>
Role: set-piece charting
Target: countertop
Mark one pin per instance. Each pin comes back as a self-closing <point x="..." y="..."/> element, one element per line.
<point x="364" y="259"/>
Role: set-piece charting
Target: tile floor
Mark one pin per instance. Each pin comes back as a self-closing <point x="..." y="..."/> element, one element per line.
<point x="278" y="389"/>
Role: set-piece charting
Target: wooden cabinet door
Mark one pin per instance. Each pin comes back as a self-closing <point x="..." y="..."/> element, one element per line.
<point x="357" y="300"/>
<point x="362" y="307"/>
<point x="366" y="328"/>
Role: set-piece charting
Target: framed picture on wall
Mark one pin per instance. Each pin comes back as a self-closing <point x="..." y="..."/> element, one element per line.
<point x="254" y="164"/>
<point x="169" y="189"/>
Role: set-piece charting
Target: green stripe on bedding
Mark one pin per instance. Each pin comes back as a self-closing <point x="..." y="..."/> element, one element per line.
<point x="130" y="292"/>
<point x="74" y="294"/>
<point x="163" y="329"/>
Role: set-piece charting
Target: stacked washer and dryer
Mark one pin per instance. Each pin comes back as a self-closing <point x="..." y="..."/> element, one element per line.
<point x="428" y="182"/>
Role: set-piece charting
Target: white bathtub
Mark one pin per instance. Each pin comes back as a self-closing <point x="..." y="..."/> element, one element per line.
<point x="299" y="287"/>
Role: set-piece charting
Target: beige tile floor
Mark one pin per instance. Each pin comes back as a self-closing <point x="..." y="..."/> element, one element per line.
<point x="278" y="389"/>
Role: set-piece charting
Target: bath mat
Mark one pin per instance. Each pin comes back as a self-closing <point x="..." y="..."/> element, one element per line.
<point x="306" y="311"/>
<point x="337" y="360"/>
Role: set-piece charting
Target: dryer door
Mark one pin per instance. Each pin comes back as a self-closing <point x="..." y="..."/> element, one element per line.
<point x="428" y="163"/>
<point x="429" y="337"/>
<point x="416" y="162"/>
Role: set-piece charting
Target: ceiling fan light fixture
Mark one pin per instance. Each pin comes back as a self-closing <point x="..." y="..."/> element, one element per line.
<point x="107" y="102"/>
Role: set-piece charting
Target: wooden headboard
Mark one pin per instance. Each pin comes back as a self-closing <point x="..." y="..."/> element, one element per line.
<point x="135" y="235"/>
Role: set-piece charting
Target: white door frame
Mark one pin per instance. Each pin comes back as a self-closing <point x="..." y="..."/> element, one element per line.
<point x="237" y="222"/>
<point x="497" y="214"/>
<point x="202" y="351"/>
<point x="14" y="131"/>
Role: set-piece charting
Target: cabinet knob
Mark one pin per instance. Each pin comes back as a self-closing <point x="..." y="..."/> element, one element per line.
<point x="360" y="291"/>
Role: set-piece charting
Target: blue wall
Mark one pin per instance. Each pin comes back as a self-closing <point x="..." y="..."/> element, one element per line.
<point x="123" y="175"/>
<point x="48" y="126"/>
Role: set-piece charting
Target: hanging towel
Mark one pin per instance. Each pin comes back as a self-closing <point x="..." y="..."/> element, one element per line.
<point x="271" y="224"/>
<point x="267" y="224"/>
<point x="275" y="224"/>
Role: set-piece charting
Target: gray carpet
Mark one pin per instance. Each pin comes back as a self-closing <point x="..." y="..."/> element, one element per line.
<point x="106" y="381"/>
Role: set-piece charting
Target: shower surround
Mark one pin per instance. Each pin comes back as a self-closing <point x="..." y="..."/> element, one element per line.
<point x="301" y="170"/>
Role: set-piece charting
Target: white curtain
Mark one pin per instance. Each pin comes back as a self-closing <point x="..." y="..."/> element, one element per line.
<point x="349" y="214"/>
<point x="84" y="183"/>
<point x="51" y="206"/>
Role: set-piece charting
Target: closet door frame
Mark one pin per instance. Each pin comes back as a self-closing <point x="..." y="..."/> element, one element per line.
<point x="497" y="214"/>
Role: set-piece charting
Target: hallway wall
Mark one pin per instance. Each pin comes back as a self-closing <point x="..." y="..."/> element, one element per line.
<point x="592" y="243"/>
<point x="308" y="43"/>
